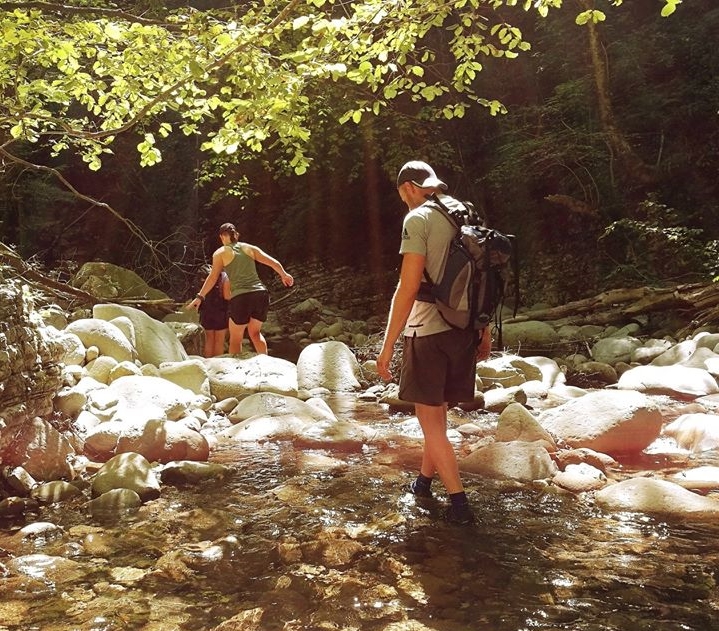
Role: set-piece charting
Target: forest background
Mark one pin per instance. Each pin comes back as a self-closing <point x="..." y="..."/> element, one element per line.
<point x="589" y="129"/>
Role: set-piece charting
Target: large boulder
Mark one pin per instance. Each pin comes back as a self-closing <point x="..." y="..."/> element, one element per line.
<point x="655" y="497"/>
<point x="519" y="461"/>
<point x="241" y="377"/>
<point x="106" y="280"/>
<point x="165" y="441"/>
<point x="37" y="447"/>
<point x="605" y="421"/>
<point x="136" y="392"/>
<point x="676" y="381"/>
<point x="155" y="342"/>
<point x="108" y="339"/>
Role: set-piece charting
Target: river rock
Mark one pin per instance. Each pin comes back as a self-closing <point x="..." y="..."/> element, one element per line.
<point x="506" y="371"/>
<point x="73" y="350"/>
<point x="106" y="336"/>
<point x="303" y="430"/>
<point x="137" y="392"/>
<point x="127" y="471"/>
<point x="597" y="460"/>
<point x="517" y="423"/>
<point x="652" y="496"/>
<point x="550" y="371"/>
<point x="497" y="399"/>
<point x="707" y="340"/>
<point x="165" y="441"/>
<point x="529" y="334"/>
<point x="330" y="365"/>
<point x="676" y="381"/>
<point x="190" y="374"/>
<point x="702" y="479"/>
<point x="55" y="491"/>
<point x="192" y="472"/>
<point x="51" y="569"/>
<point x="520" y="461"/>
<point x="271" y="404"/>
<point x="611" y="350"/>
<point x="39" y="448"/>
<point x="649" y="350"/>
<point x="100" y="368"/>
<point x="114" y="502"/>
<point x="580" y="478"/>
<point x="695" y="432"/>
<point x="155" y="342"/>
<point x="241" y="377"/>
<point x="676" y="354"/>
<point x="606" y="421"/>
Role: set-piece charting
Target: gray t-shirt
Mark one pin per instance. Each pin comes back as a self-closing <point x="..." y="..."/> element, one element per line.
<point x="428" y="232"/>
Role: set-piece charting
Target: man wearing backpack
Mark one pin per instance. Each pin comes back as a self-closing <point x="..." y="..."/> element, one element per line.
<point x="438" y="361"/>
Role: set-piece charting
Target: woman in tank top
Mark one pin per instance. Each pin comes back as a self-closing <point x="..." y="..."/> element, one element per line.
<point x="249" y="298"/>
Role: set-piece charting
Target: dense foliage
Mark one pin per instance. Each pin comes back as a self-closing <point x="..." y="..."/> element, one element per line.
<point x="144" y="125"/>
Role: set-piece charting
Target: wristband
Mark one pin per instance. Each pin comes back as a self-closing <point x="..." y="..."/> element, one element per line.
<point x="201" y="297"/>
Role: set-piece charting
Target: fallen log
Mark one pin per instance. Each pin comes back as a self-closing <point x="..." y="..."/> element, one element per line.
<point x="698" y="302"/>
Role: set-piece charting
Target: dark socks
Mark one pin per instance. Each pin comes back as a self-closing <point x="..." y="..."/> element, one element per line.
<point x="459" y="511"/>
<point x="424" y="481"/>
<point x="459" y="500"/>
<point x="421" y="486"/>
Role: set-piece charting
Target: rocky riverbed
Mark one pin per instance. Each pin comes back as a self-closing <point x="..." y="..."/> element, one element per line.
<point x="105" y="413"/>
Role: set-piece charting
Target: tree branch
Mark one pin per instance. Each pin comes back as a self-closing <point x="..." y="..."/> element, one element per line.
<point x="133" y="228"/>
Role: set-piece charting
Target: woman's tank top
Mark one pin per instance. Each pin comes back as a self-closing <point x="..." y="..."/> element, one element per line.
<point x="242" y="272"/>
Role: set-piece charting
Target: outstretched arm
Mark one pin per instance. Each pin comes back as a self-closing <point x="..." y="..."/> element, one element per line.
<point x="212" y="278"/>
<point x="262" y="257"/>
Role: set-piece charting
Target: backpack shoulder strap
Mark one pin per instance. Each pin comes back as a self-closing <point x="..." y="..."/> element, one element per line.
<point x="437" y="203"/>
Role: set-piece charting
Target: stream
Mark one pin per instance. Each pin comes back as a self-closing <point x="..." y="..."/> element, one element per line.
<point x="300" y="540"/>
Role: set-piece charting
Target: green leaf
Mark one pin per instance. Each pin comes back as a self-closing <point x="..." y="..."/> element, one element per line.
<point x="299" y="22"/>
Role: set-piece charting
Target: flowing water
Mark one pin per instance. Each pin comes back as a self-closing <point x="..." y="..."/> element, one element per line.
<point x="307" y="540"/>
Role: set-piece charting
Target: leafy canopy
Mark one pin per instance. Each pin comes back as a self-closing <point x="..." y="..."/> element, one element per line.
<point x="73" y="76"/>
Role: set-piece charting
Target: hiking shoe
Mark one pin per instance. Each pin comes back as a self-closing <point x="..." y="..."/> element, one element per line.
<point x="459" y="515"/>
<point x="419" y="490"/>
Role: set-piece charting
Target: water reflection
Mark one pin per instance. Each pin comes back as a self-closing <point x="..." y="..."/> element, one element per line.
<point x="307" y="540"/>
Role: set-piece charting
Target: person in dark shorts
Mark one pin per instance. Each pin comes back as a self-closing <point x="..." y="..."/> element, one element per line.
<point x="438" y="361"/>
<point x="214" y="315"/>
<point x="249" y="298"/>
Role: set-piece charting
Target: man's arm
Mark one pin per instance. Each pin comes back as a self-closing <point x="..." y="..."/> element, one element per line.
<point x="404" y="296"/>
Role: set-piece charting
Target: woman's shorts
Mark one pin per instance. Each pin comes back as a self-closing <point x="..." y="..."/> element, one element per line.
<point x="254" y="304"/>
<point x="439" y="368"/>
<point x="214" y="319"/>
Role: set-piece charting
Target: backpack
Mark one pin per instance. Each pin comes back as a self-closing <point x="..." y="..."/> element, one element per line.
<point x="215" y="299"/>
<point x="476" y="272"/>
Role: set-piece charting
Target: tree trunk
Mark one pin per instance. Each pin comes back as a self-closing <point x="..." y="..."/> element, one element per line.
<point x="632" y="171"/>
